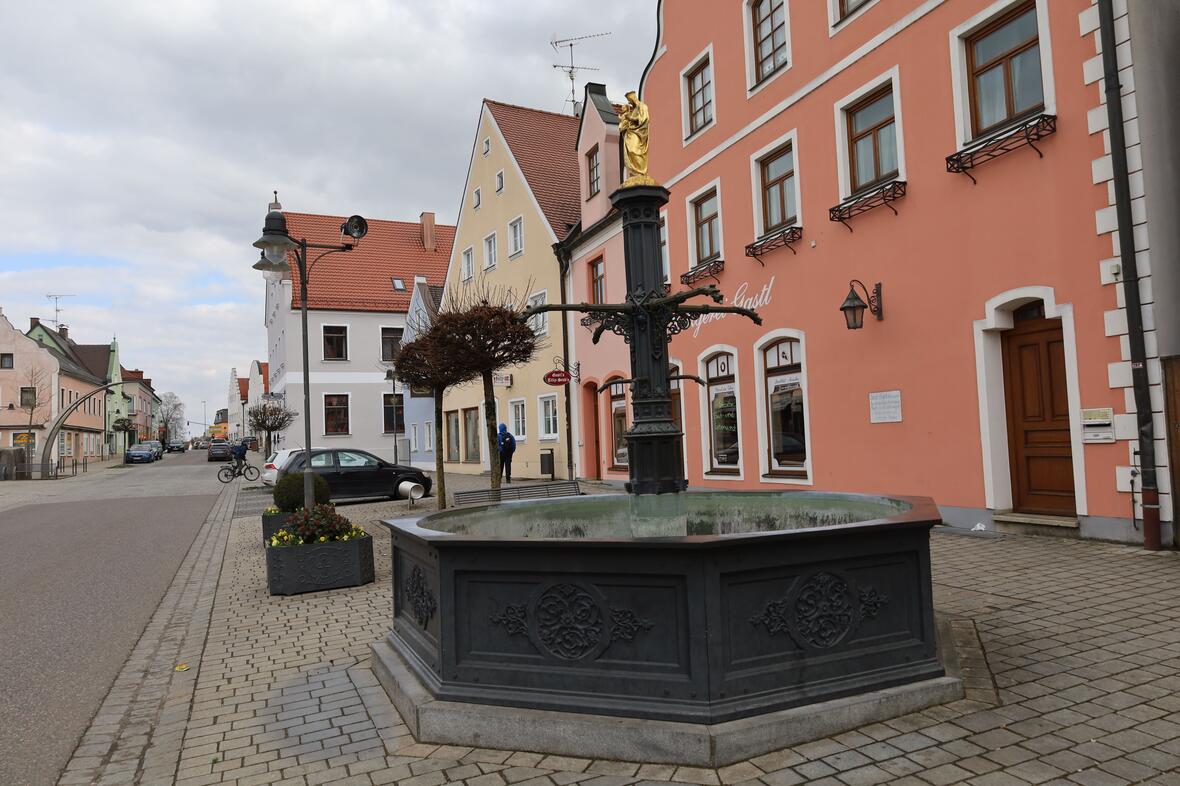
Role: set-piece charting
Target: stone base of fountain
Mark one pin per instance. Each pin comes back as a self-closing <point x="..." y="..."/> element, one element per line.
<point x="635" y="739"/>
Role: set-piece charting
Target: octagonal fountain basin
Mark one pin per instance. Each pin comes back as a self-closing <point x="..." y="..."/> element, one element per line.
<point x="700" y="607"/>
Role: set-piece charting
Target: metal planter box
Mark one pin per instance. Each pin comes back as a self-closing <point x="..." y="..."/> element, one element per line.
<point x="272" y="523"/>
<point x="313" y="567"/>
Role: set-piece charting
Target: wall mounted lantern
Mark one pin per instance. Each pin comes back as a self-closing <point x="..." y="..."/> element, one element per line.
<point x="854" y="306"/>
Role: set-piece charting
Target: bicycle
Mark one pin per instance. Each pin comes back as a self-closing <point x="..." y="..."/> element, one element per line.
<point x="229" y="472"/>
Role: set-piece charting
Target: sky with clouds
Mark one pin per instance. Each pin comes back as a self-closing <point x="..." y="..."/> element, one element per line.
<point x="140" y="142"/>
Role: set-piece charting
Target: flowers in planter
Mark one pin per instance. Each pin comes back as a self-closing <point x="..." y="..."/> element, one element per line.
<point x="321" y="524"/>
<point x="271" y="510"/>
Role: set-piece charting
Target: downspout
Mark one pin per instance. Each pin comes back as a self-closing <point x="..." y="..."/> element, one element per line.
<point x="1130" y="275"/>
<point x="563" y="263"/>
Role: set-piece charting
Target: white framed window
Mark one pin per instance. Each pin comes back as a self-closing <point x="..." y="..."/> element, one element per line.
<point x="335" y="342"/>
<point x="547" y="416"/>
<point x="784" y="429"/>
<point x="768" y="42"/>
<point x="428" y="436"/>
<point x="517" y="415"/>
<point x="698" y="101"/>
<point x="476" y="198"/>
<point x="515" y="236"/>
<point x="414" y="436"/>
<point x="869" y="127"/>
<point x="489" y="251"/>
<point x="336" y="414"/>
<point x="487" y="145"/>
<point x="539" y="322"/>
<point x="774" y="177"/>
<point x="721" y="413"/>
<point x="841" y="12"/>
<point x="980" y="70"/>
<point x="706" y="237"/>
<point x="467" y="269"/>
<point x="620" y="452"/>
<point x="500" y="182"/>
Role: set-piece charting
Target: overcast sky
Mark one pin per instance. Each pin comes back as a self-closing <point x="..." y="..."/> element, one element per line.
<point x="140" y="141"/>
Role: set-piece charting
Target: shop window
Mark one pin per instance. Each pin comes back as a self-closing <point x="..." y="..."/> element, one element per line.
<point x="618" y="424"/>
<point x="471" y="434"/>
<point x="785" y="418"/>
<point x="724" y="439"/>
<point x="453" y="438"/>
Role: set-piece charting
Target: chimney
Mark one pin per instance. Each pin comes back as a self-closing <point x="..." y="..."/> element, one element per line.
<point x="64" y="331"/>
<point x="34" y="322"/>
<point x="427" y="220"/>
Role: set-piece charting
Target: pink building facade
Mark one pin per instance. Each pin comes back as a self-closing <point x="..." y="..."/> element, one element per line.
<point x="953" y="152"/>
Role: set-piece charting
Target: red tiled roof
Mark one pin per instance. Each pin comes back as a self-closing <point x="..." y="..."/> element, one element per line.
<point x="243" y="388"/>
<point x="545" y="144"/>
<point x="361" y="279"/>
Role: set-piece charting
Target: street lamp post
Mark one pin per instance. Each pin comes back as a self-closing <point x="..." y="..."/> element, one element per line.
<point x="275" y="243"/>
<point x="392" y="380"/>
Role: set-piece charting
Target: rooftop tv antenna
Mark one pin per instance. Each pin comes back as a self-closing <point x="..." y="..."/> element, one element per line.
<point x="572" y="70"/>
<point x="56" y="308"/>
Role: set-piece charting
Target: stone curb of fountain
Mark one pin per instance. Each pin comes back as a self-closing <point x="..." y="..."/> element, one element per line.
<point x="136" y="734"/>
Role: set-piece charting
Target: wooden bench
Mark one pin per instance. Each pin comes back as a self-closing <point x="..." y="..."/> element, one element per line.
<point x="561" y="488"/>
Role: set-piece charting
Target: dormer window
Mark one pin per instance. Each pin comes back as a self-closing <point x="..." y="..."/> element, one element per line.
<point x="399" y="285"/>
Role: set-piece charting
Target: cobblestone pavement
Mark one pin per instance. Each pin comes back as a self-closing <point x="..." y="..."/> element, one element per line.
<point x="1081" y="643"/>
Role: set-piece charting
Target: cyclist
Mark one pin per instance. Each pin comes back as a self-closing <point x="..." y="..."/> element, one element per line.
<point x="239" y="454"/>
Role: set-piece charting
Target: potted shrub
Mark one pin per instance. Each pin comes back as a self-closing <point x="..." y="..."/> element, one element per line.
<point x="318" y="549"/>
<point x="288" y="497"/>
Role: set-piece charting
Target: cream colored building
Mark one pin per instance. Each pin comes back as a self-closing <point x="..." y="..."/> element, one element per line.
<point x="521" y="197"/>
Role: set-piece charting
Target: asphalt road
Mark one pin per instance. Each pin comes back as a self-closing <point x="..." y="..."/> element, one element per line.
<point x="81" y="573"/>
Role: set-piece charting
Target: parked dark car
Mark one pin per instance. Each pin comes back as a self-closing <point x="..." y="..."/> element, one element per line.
<point x="219" y="450"/>
<point x="354" y="473"/>
<point x="139" y="454"/>
<point x="155" y="445"/>
<point x="176" y="446"/>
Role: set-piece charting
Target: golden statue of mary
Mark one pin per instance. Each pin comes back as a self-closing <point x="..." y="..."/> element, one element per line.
<point x="633" y="125"/>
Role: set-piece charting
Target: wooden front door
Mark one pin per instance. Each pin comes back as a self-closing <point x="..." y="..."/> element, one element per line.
<point x="1038" y="415"/>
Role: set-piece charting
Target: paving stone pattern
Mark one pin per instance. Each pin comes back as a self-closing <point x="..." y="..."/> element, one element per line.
<point x="136" y="734"/>
<point x="1077" y="642"/>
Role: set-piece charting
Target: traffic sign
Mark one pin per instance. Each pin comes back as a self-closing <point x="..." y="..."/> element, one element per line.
<point x="557" y="377"/>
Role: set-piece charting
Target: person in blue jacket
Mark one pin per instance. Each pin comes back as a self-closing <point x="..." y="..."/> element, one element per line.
<point x="507" y="444"/>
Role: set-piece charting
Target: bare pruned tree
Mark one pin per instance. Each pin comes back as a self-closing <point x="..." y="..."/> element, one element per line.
<point x="269" y="418"/>
<point x="482" y="329"/>
<point x="36" y="399"/>
<point x="171" y="414"/>
<point x="428" y="364"/>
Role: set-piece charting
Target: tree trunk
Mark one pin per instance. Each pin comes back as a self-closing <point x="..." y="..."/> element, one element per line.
<point x="440" y="485"/>
<point x="489" y="419"/>
<point x="268" y="444"/>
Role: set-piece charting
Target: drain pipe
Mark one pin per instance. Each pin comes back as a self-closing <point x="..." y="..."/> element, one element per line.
<point x="1149" y="489"/>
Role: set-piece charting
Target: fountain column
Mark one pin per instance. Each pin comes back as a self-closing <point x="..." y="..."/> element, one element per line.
<point x="654" y="442"/>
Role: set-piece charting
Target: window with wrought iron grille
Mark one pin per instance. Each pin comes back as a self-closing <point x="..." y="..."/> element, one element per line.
<point x="700" y="96"/>
<point x="706" y="220"/>
<point x="872" y="140"/>
<point x="778" y="189"/>
<point x="769" y="20"/>
<point x="1004" y="66"/>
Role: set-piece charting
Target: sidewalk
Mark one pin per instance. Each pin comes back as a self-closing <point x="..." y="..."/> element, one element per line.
<point x="1082" y="645"/>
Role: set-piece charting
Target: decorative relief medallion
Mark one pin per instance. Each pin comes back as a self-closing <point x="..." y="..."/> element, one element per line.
<point x="422" y="602"/>
<point x="570" y="622"/>
<point x="821" y="612"/>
